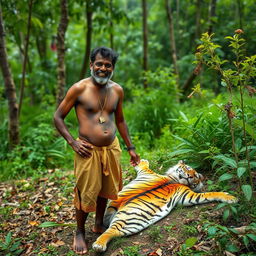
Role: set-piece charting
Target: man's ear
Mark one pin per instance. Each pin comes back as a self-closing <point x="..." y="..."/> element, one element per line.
<point x="91" y="65"/>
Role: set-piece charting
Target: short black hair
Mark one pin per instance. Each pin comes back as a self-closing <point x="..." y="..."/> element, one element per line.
<point x="106" y="53"/>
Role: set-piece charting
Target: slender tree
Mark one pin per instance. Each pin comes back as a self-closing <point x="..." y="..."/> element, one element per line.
<point x="198" y="18"/>
<point x="111" y="35"/>
<point x="62" y="28"/>
<point x="212" y="14"/>
<point x="24" y="65"/>
<point x="172" y="39"/>
<point x="145" y="39"/>
<point x="89" y="14"/>
<point x="10" y="89"/>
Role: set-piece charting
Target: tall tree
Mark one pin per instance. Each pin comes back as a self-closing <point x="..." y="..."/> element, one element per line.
<point x="212" y="14"/>
<point x="172" y="39"/>
<point x="62" y="28"/>
<point x="111" y="35"/>
<point x="24" y="65"/>
<point x="145" y="39"/>
<point x="10" y="89"/>
<point x="198" y="19"/>
<point x="89" y="13"/>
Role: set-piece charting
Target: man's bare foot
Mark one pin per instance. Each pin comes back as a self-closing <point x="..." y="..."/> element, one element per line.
<point x="97" y="229"/>
<point x="79" y="244"/>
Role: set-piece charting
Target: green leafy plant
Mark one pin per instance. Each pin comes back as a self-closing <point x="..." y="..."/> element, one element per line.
<point x="10" y="247"/>
<point x="132" y="251"/>
<point x="233" y="240"/>
<point x="235" y="75"/>
<point x="154" y="233"/>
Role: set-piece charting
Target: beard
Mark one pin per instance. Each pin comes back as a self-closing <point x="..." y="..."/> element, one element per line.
<point x="99" y="79"/>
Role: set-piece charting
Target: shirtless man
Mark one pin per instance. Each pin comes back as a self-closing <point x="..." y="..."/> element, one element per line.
<point x="98" y="105"/>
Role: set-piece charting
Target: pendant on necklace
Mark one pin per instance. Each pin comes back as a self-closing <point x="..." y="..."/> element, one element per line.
<point x="102" y="120"/>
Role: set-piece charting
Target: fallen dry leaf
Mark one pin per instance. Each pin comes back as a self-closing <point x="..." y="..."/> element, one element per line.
<point x="33" y="223"/>
<point x="58" y="243"/>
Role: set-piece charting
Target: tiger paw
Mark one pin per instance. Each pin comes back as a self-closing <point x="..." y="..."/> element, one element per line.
<point x="230" y="199"/>
<point x="99" y="247"/>
<point x="143" y="165"/>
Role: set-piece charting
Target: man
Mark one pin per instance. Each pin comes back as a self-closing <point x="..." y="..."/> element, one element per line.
<point x="98" y="105"/>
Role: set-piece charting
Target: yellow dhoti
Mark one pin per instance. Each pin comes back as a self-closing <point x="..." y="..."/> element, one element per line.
<point x="98" y="175"/>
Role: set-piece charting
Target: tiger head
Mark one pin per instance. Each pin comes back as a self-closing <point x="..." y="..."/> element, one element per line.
<point x="186" y="175"/>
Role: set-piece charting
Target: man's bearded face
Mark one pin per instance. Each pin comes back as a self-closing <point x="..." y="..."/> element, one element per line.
<point x="101" y="77"/>
<point x="102" y="70"/>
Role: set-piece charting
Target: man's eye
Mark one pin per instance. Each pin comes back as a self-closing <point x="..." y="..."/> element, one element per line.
<point x="108" y="65"/>
<point x="99" y="64"/>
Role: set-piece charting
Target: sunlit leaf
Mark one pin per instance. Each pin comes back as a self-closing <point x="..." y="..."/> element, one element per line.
<point x="225" y="176"/>
<point x="247" y="189"/>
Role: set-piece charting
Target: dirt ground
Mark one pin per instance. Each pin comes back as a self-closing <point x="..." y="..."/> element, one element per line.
<point x="25" y="204"/>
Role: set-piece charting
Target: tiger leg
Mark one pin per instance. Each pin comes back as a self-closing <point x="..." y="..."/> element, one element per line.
<point x="190" y="198"/>
<point x="109" y="215"/>
<point x="100" y="245"/>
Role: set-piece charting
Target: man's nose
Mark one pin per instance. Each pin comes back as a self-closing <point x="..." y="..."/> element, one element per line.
<point x="103" y="67"/>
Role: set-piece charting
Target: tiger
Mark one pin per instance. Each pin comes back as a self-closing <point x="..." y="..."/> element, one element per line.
<point x="150" y="197"/>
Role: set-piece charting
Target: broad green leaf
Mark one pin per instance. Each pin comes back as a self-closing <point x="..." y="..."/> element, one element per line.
<point x="252" y="236"/>
<point x="212" y="230"/>
<point x="249" y="129"/>
<point x="226" y="214"/>
<point x="227" y="160"/>
<point x="8" y="238"/>
<point x="49" y="224"/>
<point x="190" y="242"/>
<point x="225" y="176"/>
<point x="221" y="205"/>
<point x="232" y="248"/>
<point x="246" y="240"/>
<point x="240" y="171"/>
<point x="247" y="189"/>
<point x="180" y="152"/>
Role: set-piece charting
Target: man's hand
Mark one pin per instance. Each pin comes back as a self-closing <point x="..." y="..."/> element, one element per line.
<point x="82" y="148"/>
<point x="135" y="159"/>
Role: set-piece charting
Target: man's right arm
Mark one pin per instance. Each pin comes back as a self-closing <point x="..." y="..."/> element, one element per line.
<point x="64" y="108"/>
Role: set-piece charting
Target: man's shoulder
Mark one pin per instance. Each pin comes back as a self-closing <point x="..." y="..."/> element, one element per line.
<point x="81" y="85"/>
<point x="116" y="86"/>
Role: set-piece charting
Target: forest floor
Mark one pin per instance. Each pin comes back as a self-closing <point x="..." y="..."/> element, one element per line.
<point x="25" y="204"/>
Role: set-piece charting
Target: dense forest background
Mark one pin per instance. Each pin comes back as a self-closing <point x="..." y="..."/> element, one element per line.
<point x="188" y="71"/>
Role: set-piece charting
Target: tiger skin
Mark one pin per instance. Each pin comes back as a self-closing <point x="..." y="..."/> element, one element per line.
<point x="150" y="197"/>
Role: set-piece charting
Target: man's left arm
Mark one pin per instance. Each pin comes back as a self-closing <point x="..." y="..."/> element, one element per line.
<point x="123" y="129"/>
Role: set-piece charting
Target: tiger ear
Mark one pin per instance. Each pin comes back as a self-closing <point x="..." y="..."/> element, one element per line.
<point x="181" y="162"/>
<point x="143" y="165"/>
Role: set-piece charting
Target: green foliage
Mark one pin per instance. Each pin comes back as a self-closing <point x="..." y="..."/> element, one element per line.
<point x="152" y="108"/>
<point x="230" y="239"/>
<point x="155" y="233"/>
<point x="39" y="150"/>
<point x="10" y="247"/>
<point x="132" y="251"/>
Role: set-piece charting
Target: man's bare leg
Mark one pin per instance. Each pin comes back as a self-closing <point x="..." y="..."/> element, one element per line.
<point x="100" y="210"/>
<point x="79" y="245"/>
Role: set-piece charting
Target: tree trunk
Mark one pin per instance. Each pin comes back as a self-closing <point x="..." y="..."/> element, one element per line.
<point x="145" y="40"/>
<point x="198" y="18"/>
<point x="111" y="34"/>
<point x="172" y="39"/>
<point x="62" y="28"/>
<point x="13" y="128"/>
<point x="88" y="39"/>
<point x="41" y="45"/>
<point x="212" y="14"/>
<point x="24" y="65"/>
<point x="240" y="13"/>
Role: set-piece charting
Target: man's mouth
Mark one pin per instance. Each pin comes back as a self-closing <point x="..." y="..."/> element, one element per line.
<point x="102" y="74"/>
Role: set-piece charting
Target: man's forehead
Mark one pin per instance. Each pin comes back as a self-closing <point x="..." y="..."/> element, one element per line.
<point x="99" y="57"/>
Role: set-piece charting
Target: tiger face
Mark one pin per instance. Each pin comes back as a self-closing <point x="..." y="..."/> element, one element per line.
<point x="186" y="175"/>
